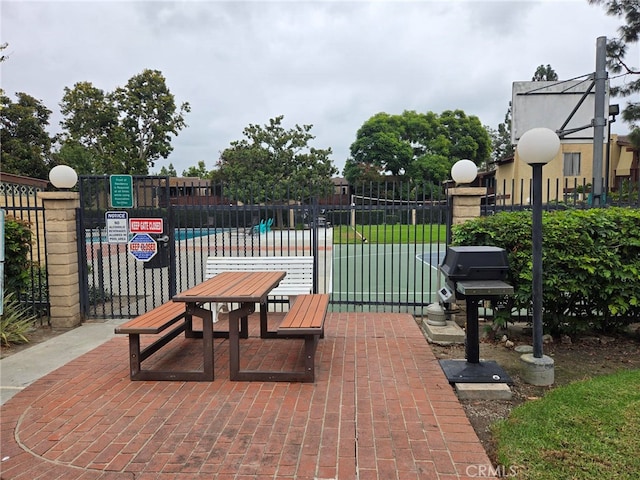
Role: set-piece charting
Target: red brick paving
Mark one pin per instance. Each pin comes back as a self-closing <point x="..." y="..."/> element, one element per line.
<point x="381" y="408"/>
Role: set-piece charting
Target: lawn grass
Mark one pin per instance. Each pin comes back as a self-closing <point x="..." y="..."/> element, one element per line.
<point x="585" y="430"/>
<point x="387" y="234"/>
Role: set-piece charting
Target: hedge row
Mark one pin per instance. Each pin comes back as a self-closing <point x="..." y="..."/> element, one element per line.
<point x="591" y="264"/>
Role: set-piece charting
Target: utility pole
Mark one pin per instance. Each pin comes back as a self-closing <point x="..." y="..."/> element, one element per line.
<point x="599" y="119"/>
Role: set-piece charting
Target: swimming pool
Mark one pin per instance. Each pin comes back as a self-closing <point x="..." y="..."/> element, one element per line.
<point x="99" y="236"/>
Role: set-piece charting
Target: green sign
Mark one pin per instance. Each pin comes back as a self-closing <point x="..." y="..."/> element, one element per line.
<point x="121" y="191"/>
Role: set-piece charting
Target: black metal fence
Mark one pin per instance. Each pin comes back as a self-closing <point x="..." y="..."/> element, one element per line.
<point x="20" y="201"/>
<point x="375" y="246"/>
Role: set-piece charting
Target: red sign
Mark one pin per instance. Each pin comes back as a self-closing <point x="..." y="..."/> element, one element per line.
<point x="145" y="225"/>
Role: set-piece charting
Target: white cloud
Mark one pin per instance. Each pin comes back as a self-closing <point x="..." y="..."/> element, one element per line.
<point x="330" y="64"/>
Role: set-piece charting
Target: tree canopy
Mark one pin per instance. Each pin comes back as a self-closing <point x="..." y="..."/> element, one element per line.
<point x="124" y="131"/>
<point x="26" y="145"/>
<point x="617" y="48"/>
<point x="271" y="161"/>
<point x="421" y="146"/>
<point x="544" y="73"/>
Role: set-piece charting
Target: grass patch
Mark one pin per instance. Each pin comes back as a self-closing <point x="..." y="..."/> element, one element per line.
<point x="584" y="430"/>
<point x="387" y="234"/>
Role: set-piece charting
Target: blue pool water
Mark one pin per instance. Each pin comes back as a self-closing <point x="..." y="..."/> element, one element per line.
<point x="179" y="234"/>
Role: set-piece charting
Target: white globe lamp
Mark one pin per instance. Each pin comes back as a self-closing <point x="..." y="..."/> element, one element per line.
<point x="464" y="171"/>
<point x="538" y="146"/>
<point x="63" y="177"/>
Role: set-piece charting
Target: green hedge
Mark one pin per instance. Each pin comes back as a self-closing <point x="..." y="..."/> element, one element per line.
<point x="591" y="264"/>
<point x="17" y="235"/>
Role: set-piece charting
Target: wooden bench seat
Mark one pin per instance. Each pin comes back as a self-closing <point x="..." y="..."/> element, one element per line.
<point x="155" y="322"/>
<point x="305" y="319"/>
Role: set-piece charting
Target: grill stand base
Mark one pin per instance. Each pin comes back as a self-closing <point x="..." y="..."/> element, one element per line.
<point x="461" y="371"/>
<point x="472" y="370"/>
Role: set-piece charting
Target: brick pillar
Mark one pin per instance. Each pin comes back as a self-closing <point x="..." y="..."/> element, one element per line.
<point x="62" y="257"/>
<point x="466" y="206"/>
<point x="466" y="203"/>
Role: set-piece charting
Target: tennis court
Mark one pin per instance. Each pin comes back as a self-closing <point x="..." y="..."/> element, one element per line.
<point x="401" y="276"/>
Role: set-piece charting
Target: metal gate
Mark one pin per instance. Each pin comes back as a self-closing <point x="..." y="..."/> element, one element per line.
<point x="375" y="247"/>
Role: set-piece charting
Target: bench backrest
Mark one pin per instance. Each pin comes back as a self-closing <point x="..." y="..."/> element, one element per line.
<point x="298" y="281"/>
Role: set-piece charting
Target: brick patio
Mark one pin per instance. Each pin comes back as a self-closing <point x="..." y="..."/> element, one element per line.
<point x="381" y="408"/>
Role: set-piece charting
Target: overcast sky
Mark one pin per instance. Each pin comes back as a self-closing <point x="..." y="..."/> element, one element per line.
<point x="329" y="64"/>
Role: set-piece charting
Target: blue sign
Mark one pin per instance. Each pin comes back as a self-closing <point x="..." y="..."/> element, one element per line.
<point x="143" y="247"/>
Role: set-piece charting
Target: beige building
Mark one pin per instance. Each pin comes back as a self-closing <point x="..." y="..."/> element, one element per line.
<point x="569" y="175"/>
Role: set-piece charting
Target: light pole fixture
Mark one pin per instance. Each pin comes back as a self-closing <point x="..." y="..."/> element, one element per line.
<point x="464" y="171"/>
<point x="63" y="177"/>
<point x="537" y="147"/>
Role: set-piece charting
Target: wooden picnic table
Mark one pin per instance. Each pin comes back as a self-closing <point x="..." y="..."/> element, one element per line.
<point x="247" y="289"/>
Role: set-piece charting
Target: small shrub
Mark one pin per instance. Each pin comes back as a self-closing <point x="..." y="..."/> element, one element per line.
<point x="16" y="321"/>
<point x="17" y="247"/>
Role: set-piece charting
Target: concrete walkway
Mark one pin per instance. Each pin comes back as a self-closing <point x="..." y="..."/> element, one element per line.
<point x="381" y="408"/>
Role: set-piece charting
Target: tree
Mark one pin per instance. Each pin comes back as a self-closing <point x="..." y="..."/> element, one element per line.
<point x="26" y="145"/>
<point x="168" y="172"/>
<point x="415" y="144"/>
<point x="617" y="49"/>
<point x="271" y="162"/>
<point x="200" y="171"/>
<point x="125" y="131"/>
<point x="501" y="139"/>
<point x="544" y="74"/>
<point x="149" y="119"/>
<point x="91" y="131"/>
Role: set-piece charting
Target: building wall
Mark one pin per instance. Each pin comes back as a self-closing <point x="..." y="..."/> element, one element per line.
<point x="513" y="178"/>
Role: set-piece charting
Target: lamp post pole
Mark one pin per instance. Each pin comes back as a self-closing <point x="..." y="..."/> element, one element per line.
<point x="536" y="257"/>
<point x="537" y="147"/>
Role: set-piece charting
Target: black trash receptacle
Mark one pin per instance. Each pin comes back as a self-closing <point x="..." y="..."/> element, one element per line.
<point x="161" y="258"/>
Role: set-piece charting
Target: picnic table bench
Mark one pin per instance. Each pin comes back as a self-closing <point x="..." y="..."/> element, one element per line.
<point x="305" y="319"/>
<point x="155" y="322"/>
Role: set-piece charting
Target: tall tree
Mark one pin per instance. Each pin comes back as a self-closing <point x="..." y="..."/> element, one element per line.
<point x="125" y="131"/>
<point x="545" y="74"/>
<point x="169" y="172"/>
<point x="26" y="145"/>
<point x="271" y="161"/>
<point x="149" y="118"/>
<point x="91" y="124"/>
<point x="415" y="144"/>
<point x="617" y="49"/>
<point x="199" y="172"/>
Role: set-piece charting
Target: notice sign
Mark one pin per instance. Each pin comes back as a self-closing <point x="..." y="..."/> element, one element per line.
<point x="143" y="247"/>
<point x="145" y="225"/>
<point x="117" y="227"/>
<point x="121" y="191"/>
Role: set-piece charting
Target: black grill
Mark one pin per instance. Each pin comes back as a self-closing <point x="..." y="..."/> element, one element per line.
<point x="472" y="263"/>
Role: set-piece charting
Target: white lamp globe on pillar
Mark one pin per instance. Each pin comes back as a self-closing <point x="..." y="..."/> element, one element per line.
<point x="464" y="171"/>
<point x="537" y="147"/>
<point x="63" y="177"/>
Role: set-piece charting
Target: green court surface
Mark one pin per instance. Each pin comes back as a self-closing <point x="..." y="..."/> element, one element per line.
<point x="402" y="276"/>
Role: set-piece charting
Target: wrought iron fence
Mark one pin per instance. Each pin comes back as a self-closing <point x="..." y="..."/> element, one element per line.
<point x="19" y="201"/>
<point x="375" y="246"/>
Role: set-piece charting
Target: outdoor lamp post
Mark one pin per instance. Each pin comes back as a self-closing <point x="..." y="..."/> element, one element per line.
<point x="538" y="147"/>
<point x="63" y="177"/>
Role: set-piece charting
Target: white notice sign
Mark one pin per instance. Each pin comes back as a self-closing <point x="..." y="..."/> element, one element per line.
<point x="117" y="227"/>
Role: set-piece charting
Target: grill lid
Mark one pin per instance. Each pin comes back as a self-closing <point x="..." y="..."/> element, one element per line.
<point x="475" y="263"/>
